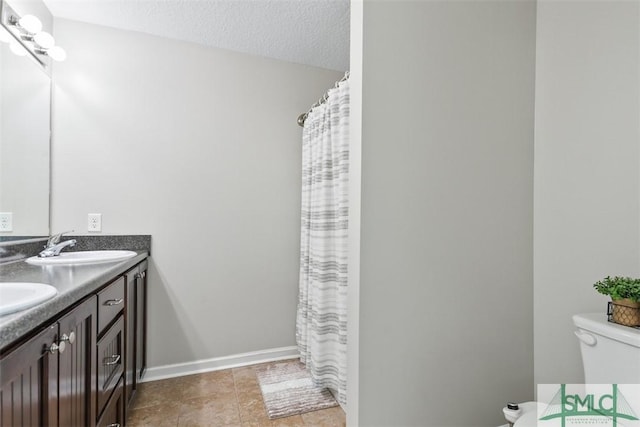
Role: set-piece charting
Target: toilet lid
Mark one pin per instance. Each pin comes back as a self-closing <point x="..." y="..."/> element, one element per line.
<point x="528" y="419"/>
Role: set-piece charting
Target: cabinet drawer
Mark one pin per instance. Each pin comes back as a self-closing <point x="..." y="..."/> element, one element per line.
<point x="110" y="303"/>
<point x="113" y="415"/>
<point x="110" y="361"/>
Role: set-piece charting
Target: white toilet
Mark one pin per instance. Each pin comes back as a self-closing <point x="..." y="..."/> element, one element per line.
<point x="600" y="343"/>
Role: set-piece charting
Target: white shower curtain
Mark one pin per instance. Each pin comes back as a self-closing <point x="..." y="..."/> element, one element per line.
<point x="321" y="329"/>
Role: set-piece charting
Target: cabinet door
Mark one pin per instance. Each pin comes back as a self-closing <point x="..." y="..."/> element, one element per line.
<point x="130" y="334"/>
<point x="77" y="369"/>
<point x="28" y="382"/>
<point x="141" y="322"/>
<point x="136" y="328"/>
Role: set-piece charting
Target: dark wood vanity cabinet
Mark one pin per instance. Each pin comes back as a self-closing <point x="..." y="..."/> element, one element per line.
<point x="136" y="318"/>
<point x="82" y="369"/>
<point x="49" y="380"/>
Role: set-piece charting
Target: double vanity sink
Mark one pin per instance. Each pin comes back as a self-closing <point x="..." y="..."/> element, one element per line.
<point x="17" y="296"/>
<point x="33" y="290"/>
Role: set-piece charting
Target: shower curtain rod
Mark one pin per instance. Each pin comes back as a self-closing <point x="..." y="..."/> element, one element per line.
<point x="302" y="117"/>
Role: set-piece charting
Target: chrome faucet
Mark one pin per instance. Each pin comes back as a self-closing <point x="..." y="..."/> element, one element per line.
<point x="54" y="246"/>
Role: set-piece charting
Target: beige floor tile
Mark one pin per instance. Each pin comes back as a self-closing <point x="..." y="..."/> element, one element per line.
<point x="251" y="405"/>
<point x="245" y="378"/>
<point x="331" y="417"/>
<point x="216" y="382"/>
<point x="154" y="416"/>
<point x="209" y="411"/>
<point x="154" y="393"/>
<point x="244" y="371"/>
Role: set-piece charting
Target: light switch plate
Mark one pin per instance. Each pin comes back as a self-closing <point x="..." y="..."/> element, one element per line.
<point x="94" y="223"/>
<point x="6" y="221"/>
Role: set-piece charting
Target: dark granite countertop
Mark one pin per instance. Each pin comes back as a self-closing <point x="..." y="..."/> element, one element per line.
<point x="73" y="284"/>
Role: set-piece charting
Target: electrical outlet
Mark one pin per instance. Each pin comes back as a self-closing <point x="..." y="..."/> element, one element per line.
<point x="6" y="221"/>
<point x="94" y="222"/>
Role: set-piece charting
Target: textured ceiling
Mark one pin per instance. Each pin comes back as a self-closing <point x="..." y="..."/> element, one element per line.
<point x="312" y="32"/>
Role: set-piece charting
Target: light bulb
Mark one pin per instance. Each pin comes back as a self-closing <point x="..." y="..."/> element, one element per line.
<point x="44" y="40"/>
<point x="17" y="48"/>
<point x="57" y="53"/>
<point x="30" y="23"/>
<point x="5" y="37"/>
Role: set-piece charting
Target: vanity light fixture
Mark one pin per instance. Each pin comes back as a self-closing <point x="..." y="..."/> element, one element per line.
<point x="28" y="29"/>
<point x="28" y="23"/>
<point x="56" y="53"/>
<point x="44" y="40"/>
<point x="45" y="44"/>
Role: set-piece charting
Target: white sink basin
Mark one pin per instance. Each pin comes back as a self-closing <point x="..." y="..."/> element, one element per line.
<point x="16" y="296"/>
<point x="82" y="257"/>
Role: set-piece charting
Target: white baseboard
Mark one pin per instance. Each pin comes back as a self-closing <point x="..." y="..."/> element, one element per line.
<point x="219" y="363"/>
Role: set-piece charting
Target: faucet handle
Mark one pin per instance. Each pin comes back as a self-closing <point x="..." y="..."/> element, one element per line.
<point x="55" y="238"/>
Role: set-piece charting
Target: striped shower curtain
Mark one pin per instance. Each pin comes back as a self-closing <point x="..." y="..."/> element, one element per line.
<point x="321" y="329"/>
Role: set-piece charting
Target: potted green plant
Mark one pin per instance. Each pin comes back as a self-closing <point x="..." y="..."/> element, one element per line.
<point x="625" y="297"/>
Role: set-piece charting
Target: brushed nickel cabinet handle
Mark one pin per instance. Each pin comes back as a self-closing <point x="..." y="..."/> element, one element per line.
<point x="71" y="338"/>
<point x="111" y="302"/>
<point x="114" y="425"/>
<point x="56" y="347"/>
<point x="112" y="360"/>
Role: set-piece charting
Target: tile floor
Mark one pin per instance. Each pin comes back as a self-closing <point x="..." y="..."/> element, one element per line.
<point x="222" y="399"/>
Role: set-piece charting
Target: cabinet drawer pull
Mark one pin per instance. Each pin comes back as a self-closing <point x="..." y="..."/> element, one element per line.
<point x="56" y="347"/>
<point x="113" y="360"/>
<point x="71" y="338"/>
<point x="111" y="302"/>
<point x="114" y="425"/>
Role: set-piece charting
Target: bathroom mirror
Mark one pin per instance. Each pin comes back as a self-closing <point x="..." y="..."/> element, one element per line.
<point x="25" y="113"/>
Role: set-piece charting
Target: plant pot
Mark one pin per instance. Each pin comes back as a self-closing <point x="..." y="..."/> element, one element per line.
<point x="626" y="312"/>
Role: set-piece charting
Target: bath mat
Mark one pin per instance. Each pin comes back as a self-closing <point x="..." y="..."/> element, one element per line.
<point x="287" y="389"/>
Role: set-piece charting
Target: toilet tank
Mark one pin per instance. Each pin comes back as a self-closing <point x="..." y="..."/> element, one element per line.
<point x="610" y="352"/>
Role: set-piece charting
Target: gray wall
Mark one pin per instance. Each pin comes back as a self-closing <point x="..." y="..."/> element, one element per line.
<point x="587" y="180"/>
<point x="446" y="322"/>
<point x="200" y="148"/>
